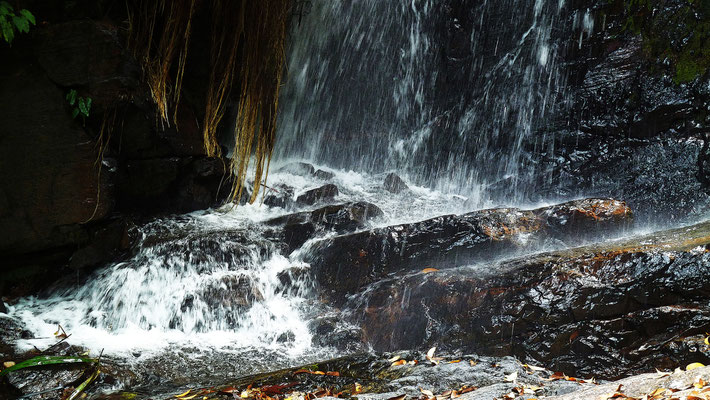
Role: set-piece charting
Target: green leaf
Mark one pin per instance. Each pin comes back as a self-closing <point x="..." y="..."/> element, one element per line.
<point x="75" y="113"/>
<point x="85" y="105"/>
<point x="21" y="23"/>
<point x="7" y="31"/>
<point x="28" y="16"/>
<point x="47" y="360"/>
<point x="71" y="97"/>
<point x="5" y="5"/>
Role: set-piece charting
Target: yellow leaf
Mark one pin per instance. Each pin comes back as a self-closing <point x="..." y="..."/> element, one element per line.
<point x="190" y="397"/>
<point x="8" y="364"/>
<point x="428" y="270"/>
<point x="693" y="366"/>
<point x="699" y="383"/>
<point x="707" y="342"/>
<point x="183" y="394"/>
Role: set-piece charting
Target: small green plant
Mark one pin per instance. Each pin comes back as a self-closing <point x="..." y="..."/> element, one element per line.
<point x="11" y="22"/>
<point x="81" y="105"/>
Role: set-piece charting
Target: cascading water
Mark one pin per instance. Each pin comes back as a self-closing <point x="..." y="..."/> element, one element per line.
<point x="450" y="94"/>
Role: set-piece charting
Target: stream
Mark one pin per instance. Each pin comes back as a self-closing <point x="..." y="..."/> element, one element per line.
<point x="416" y="199"/>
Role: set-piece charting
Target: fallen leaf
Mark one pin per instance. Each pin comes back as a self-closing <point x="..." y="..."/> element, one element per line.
<point x="693" y="366"/>
<point x="190" y="397"/>
<point x="8" y="364"/>
<point x="398" y="362"/>
<point x="707" y="342"/>
<point x="454" y="361"/>
<point x="473" y="363"/>
<point x="430" y="356"/>
<point x="533" y="368"/>
<point x="428" y="393"/>
<point x="332" y="373"/>
<point x="395" y="358"/>
<point x="400" y="397"/>
<point x="512" y="377"/>
<point x="183" y="394"/>
<point x="428" y="270"/>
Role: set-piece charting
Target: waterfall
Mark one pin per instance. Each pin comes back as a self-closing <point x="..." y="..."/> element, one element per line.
<point x="449" y="93"/>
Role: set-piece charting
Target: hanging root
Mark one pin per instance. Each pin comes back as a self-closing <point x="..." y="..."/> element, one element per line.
<point x="247" y="59"/>
<point x="107" y="126"/>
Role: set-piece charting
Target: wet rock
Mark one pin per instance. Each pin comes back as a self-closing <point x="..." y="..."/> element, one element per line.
<point x="173" y="184"/>
<point x="298" y="168"/>
<point x="324" y="193"/>
<point x="345" y="264"/>
<point x="279" y="196"/>
<point x="394" y="184"/>
<point x="324" y="175"/>
<point x="341" y="218"/>
<point x="233" y="292"/>
<point x="53" y="380"/>
<point x="680" y="383"/>
<point x="378" y="378"/>
<point x="604" y="310"/>
<point x="105" y="243"/>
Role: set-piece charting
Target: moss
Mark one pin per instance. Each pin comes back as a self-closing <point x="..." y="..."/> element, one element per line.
<point x="676" y="34"/>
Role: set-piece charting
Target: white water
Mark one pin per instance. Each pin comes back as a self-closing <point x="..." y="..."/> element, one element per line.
<point x="450" y="97"/>
<point x="182" y="287"/>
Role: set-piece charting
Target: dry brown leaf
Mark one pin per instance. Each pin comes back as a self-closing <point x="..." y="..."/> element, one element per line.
<point x="428" y="393"/>
<point x="400" y="397"/>
<point x="399" y="362"/>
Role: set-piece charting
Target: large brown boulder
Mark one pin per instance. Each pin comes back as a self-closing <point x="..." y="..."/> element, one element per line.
<point x="603" y="310"/>
<point x="347" y="263"/>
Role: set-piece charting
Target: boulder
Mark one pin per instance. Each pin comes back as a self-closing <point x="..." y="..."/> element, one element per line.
<point x="323" y="175"/>
<point x="602" y="310"/>
<point x="279" y="196"/>
<point x="324" y="193"/>
<point x="298" y="168"/>
<point x="394" y="184"/>
<point x="299" y="227"/>
<point x="344" y="264"/>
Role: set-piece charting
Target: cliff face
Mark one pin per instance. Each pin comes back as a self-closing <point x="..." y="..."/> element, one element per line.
<point x="70" y="186"/>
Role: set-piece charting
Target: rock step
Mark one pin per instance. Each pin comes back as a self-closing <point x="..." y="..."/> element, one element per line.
<point x="345" y="264"/>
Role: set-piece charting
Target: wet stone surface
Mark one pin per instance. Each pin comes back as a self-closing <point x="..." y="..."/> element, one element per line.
<point x="607" y="310"/>
<point x="345" y="264"/>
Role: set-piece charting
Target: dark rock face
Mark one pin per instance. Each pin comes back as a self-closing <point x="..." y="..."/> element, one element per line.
<point x="56" y="191"/>
<point x="341" y="218"/>
<point x="394" y="184"/>
<point x="605" y="310"/>
<point x="324" y="193"/>
<point x="345" y="264"/>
